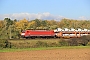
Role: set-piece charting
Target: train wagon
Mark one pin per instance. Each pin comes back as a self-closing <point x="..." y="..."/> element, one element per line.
<point x="38" y="34"/>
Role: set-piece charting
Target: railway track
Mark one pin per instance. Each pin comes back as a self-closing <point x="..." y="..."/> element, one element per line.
<point x="38" y="39"/>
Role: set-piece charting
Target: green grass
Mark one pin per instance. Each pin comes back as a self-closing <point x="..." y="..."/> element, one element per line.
<point x="43" y="48"/>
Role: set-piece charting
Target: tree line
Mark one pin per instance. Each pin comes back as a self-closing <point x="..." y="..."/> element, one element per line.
<point x="12" y="28"/>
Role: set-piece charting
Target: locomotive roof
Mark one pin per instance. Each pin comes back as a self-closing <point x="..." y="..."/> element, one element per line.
<point x="39" y="30"/>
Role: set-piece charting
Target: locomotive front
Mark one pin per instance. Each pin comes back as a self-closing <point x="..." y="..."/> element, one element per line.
<point x="23" y="34"/>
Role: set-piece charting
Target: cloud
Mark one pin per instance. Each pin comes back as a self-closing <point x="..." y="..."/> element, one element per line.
<point x="82" y="18"/>
<point x="32" y="16"/>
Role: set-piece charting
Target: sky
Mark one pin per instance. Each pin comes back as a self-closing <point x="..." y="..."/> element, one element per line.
<point x="45" y="9"/>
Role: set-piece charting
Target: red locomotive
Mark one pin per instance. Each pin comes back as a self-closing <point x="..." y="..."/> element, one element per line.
<point x="38" y="33"/>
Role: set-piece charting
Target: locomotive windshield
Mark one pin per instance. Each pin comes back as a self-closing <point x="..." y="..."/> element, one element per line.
<point x="23" y="31"/>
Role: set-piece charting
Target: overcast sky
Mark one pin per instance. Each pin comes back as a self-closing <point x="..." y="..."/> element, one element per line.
<point x="45" y="9"/>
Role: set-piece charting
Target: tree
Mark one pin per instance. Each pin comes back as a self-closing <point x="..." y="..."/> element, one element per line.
<point x="37" y="22"/>
<point x="8" y="22"/>
<point x="43" y="23"/>
<point x="1" y="24"/>
<point x="31" y="25"/>
<point x="22" y="24"/>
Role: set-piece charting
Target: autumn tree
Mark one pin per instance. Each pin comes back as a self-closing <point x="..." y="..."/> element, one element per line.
<point x="31" y="25"/>
<point x="1" y="24"/>
<point x="22" y="24"/>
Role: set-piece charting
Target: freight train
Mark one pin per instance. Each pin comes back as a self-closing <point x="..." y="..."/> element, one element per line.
<point x="58" y="33"/>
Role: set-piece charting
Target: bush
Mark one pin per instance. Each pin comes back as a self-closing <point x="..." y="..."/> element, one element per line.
<point x="2" y="43"/>
<point x="41" y="44"/>
<point x="20" y="45"/>
<point x="88" y="44"/>
<point x="54" y="44"/>
<point x="73" y="42"/>
<point x="5" y="44"/>
<point x="79" y="41"/>
<point x="63" y="43"/>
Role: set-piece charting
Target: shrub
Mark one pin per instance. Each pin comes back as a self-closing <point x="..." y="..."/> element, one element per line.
<point x="72" y="42"/>
<point x="2" y="43"/>
<point x="41" y="44"/>
<point x="88" y="44"/>
<point x="53" y="44"/>
<point x="63" y="43"/>
<point x="5" y="44"/>
<point x="79" y="41"/>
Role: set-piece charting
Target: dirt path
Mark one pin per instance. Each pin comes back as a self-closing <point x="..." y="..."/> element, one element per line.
<point x="56" y="54"/>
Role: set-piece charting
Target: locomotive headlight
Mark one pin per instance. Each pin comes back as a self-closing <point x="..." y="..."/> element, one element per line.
<point x="22" y="33"/>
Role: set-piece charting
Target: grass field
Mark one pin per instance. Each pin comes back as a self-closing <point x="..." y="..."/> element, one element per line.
<point x="33" y="41"/>
<point x="43" y="48"/>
